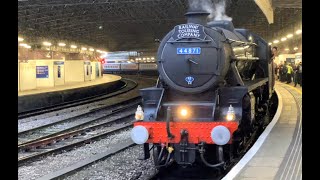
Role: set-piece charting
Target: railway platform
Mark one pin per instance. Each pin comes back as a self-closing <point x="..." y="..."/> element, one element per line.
<point x="46" y="97"/>
<point x="277" y="154"/>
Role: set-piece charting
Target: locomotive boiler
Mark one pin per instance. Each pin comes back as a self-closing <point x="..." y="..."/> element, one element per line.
<point x="214" y="83"/>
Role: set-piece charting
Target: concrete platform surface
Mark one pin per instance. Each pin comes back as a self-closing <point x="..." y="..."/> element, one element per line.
<point x="106" y="78"/>
<point x="277" y="154"/>
<point x="49" y="97"/>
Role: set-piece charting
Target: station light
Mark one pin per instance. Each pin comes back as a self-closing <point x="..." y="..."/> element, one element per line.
<point x="286" y="49"/>
<point x="143" y="58"/>
<point x="276" y="41"/>
<point x="91" y="49"/>
<point x="270" y="43"/>
<point x="299" y="31"/>
<point x="295" y="48"/>
<point x="152" y="58"/>
<point x="20" y="39"/>
<point x="283" y="39"/>
<point x="61" y="44"/>
<point x="73" y="46"/>
<point x="84" y="48"/>
<point x="289" y="35"/>
<point x="148" y="58"/>
<point x="47" y="43"/>
<point x="23" y="44"/>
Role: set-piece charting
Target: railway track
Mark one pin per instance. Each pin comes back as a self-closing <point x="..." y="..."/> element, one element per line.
<point x="35" y="149"/>
<point x="128" y="85"/>
<point x="62" y="173"/>
<point x="94" y="116"/>
<point x="61" y="135"/>
<point x="173" y="172"/>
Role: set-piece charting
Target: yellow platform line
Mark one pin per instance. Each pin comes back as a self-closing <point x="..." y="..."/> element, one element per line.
<point x="296" y="89"/>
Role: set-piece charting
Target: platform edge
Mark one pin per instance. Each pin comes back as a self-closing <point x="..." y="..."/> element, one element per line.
<point x="254" y="149"/>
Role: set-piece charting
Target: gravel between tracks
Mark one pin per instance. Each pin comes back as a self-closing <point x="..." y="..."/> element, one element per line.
<point x="56" y="162"/>
<point x="32" y="122"/>
<point x="122" y="166"/>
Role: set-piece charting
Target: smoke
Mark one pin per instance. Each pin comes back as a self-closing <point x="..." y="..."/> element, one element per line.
<point x="217" y="9"/>
<point x="220" y="12"/>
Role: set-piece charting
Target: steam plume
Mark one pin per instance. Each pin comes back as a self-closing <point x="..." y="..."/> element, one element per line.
<point x="217" y="9"/>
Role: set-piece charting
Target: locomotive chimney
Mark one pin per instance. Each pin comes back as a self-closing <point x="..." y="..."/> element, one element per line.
<point x="197" y="17"/>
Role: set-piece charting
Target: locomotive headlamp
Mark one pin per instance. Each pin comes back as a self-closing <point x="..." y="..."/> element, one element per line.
<point x="183" y="112"/>
<point x="220" y="135"/>
<point x="230" y="114"/>
<point x="139" y="115"/>
<point x="139" y="134"/>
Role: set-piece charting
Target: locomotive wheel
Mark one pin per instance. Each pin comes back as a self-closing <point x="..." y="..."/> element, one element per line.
<point x="266" y="118"/>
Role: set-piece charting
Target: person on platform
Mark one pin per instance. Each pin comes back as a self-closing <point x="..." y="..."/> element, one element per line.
<point x="282" y="72"/>
<point x="274" y="53"/>
<point x="289" y="73"/>
<point x="298" y="75"/>
<point x="276" y="71"/>
<point x="293" y="65"/>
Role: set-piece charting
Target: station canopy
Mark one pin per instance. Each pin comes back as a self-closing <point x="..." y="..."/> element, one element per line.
<point x="119" y="25"/>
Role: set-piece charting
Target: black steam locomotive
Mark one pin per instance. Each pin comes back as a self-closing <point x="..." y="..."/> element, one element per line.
<point x="214" y="83"/>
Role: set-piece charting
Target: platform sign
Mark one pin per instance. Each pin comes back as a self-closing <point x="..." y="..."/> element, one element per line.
<point x="58" y="63"/>
<point x="193" y="50"/>
<point x="290" y="60"/>
<point x="42" y="72"/>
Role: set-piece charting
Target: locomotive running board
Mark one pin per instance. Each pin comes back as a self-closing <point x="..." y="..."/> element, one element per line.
<point x="253" y="84"/>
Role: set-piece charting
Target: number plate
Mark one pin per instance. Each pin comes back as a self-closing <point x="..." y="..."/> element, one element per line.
<point x="193" y="50"/>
